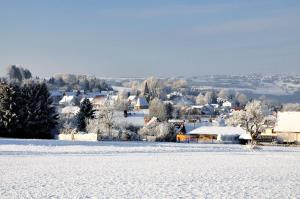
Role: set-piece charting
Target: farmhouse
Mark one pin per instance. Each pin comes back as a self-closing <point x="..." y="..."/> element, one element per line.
<point x="288" y="127"/>
<point x="220" y="134"/>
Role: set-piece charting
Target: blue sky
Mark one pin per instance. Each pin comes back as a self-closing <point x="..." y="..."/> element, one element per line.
<point x="145" y="38"/>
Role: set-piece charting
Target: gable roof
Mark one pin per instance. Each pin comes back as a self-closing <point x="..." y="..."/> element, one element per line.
<point x="141" y="101"/>
<point x="287" y="122"/>
<point x="218" y="130"/>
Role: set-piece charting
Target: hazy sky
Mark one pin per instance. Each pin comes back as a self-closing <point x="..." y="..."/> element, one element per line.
<point x="144" y="38"/>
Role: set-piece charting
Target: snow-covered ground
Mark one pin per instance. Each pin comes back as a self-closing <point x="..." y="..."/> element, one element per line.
<point x="62" y="169"/>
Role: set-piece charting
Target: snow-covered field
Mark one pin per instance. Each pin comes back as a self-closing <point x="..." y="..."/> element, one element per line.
<point x="62" y="169"/>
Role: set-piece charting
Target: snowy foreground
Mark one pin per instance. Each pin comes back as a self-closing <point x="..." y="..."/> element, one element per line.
<point x="61" y="169"/>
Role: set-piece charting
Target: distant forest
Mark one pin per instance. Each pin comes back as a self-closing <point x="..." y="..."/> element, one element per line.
<point x="62" y="82"/>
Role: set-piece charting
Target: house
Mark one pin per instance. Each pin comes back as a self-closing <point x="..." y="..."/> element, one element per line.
<point x="287" y="127"/>
<point x="227" y="104"/>
<point x="56" y="96"/>
<point x="141" y="103"/>
<point x="217" y="134"/>
<point x="69" y="99"/>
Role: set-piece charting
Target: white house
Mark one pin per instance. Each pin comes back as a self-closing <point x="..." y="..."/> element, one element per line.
<point x="287" y="127"/>
<point x="227" y="104"/>
<point x="68" y="100"/>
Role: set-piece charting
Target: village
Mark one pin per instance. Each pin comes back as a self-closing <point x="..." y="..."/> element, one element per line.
<point x="135" y="117"/>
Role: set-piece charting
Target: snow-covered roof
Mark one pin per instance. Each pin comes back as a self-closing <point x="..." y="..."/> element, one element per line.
<point x="67" y="99"/>
<point x="141" y="101"/>
<point x="288" y="122"/>
<point x="94" y="94"/>
<point x="121" y="89"/>
<point x="227" y="104"/>
<point x="55" y="93"/>
<point x="90" y="99"/>
<point x="218" y="130"/>
<point x="70" y="93"/>
<point x="70" y="109"/>
<point x="197" y="107"/>
<point x="245" y="136"/>
<point x="132" y="97"/>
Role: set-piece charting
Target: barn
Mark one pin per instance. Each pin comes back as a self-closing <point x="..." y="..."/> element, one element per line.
<point x="287" y="127"/>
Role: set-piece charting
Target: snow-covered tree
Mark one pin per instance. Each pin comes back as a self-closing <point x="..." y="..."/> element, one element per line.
<point x="155" y="87"/>
<point x="201" y="100"/>
<point x="210" y="97"/>
<point x="106" y="116"/>
<point x="26" y="111"/>
<point x="224" y="94"/>
<point x="251" y="119"/>
<point x="162" y="111"/>
<point x="162" y="132"/>
<point x="291" y="107"/>
<point x="9" y="109"/>
<point x="241" y="99"/>
<point x="86" y="112"/>
<point x="39" y="114"/>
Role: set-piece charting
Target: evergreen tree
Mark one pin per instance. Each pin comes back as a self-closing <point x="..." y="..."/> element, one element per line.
<point x="40" y="115"/>
<point x="9" y="110"/>
<point x="169" y="110"/>
<point x="146" y="92"/>
<point x="86" y="112"/>
<point x="27" y="111"/>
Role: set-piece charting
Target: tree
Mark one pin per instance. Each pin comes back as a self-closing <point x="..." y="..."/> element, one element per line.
<point x="160" y="110"/>
<point x="86" y="112"/>
<point x="201" y="100"/>
<point x="146" y="93"/>
<point x="155" y="87"/>
<point x="241" y="99"/>
<point x="107" y="112"/>
<point x="14" y="73"/>
<point x="210" y="97"/>
<point x="39" y="115"/>
<point x="169" y="109"/>
<point x="251" y="119"/>
<point x="224" y="94"/>
<point x="18" y="73"/>
<point x="26" y="111"/>
<point x="9" y="109"/>
<point x="291" y="107"/>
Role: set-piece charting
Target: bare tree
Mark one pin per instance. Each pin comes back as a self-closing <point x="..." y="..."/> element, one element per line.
<point x="158" y="109"/>
<point x="106" y="116"/>
<point x="201" y="100"/>
<point x="251" y="119"/>
<point x="241" y="99"/>
<point x="224" y="94"/>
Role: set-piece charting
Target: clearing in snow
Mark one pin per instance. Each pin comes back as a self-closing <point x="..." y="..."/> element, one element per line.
<point x="62" y="169"/>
